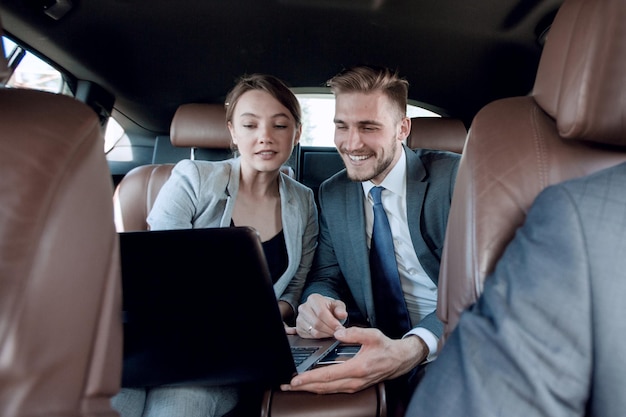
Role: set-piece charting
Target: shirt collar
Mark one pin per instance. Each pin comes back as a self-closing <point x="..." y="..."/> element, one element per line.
<point x="395" y="181"/>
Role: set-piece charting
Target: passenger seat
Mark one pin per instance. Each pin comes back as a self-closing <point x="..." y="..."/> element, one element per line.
<point x="199" y="128"/>
<point x="60" y="285"/>
<point x="572" y="124"/>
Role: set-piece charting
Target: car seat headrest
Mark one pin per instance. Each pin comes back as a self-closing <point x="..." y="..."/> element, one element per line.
<point x="200" y="125"/>
<point x="441" y="133"/>
<point x="581" y="79"/>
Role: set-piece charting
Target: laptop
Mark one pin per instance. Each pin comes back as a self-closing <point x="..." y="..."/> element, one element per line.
<point x="199" y="308"/>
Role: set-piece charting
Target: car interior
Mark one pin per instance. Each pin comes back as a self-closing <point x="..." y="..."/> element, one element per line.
<point x="529" y="93"/>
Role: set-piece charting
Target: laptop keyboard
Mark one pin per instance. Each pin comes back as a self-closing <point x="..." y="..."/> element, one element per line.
<point x="300" y="354"/>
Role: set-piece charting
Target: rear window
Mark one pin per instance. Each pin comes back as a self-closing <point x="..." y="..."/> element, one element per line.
<point x="318" y="111"/>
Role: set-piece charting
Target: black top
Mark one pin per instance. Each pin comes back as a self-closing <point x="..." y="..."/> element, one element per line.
<point x="275" y="251"/>
<point x="276" y="254"/>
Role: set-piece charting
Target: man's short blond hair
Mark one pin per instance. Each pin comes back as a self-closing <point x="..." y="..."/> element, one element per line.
<point x="367" y="79"/>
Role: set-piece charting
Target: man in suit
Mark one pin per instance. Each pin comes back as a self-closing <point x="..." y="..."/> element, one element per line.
<point x="371" y="124"/>
<point x="546" y="337"/>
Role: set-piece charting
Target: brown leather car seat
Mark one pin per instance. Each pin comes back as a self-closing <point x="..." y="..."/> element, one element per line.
<point x="441" y="133"/>
<point x="572" y="124"/>
<point x="200" y="127"/>
<point x="194" y="125"/>
<point x="60" y="292"/>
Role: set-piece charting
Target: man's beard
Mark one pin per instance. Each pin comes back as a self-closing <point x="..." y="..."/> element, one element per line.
<point x="379" y="168"/>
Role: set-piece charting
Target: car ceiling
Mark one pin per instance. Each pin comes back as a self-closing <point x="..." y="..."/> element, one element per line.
<point x="155" y="55"/>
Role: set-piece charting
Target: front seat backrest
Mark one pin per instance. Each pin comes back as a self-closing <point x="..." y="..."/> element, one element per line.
<point x="571" y="125"/>
<point x="60" y="288"/>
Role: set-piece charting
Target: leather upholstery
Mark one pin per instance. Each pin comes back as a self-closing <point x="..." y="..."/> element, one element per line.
<point x="194" y="125"/>
<point x="60" y="288"/>
<point x="518" y="146"/>
<point x="370" y="402"/>
<point x="199" y="125"/>
<point x="582" y="74"/>
<point x="440" y="133"/>
<point x="135" y="195"/>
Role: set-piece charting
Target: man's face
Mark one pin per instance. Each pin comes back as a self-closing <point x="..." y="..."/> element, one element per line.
<point x="368" y="134"/>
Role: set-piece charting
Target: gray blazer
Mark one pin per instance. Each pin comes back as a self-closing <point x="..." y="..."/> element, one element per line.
<point x="341" y="264"/>
<point x="202" y="194"/>
<point x="548" y="336"/>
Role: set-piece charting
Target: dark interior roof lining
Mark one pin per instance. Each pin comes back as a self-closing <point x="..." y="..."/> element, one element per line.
<point x="405" y="34"/>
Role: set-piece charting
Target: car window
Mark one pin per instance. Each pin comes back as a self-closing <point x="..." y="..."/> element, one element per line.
<point x="318" y="110"/>
<point x="34" y="73"/>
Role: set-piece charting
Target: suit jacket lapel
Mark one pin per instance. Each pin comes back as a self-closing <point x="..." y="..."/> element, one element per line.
<point x="416" y="193"/>
<point x="230" y="193"/>
<point x="290" y="212"/>
<point x="357" y="246"/>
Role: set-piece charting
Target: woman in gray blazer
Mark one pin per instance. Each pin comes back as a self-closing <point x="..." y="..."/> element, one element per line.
<point x="264" y="119"/>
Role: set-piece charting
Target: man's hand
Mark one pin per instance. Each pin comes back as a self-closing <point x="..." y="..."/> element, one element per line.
<point x="320" y="317"/>
<point x="289" y="329"/>
<point x="379" y="359"/>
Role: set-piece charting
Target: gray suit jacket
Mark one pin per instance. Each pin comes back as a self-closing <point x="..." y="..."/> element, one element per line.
<point x="341" y="265"/>
<point x="548" y="336"/>
<point x="202" y="194"/>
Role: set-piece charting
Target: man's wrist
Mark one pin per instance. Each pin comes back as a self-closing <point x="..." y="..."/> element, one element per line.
<point x="429" y="342"/>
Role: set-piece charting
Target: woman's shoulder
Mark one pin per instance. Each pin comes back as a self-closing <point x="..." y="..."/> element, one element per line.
<point x="202" y="176"/>
<point x="203" y="168"/>
<point x="294" y="186"/>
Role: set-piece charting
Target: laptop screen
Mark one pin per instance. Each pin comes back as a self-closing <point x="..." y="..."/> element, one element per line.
<point x="199" y="307"/>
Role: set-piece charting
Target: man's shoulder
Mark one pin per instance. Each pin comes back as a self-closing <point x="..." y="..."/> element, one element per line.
<point x="337" y="191"/>
<point x="592" y="189"/>
<point x="337" y="182"/>
<point x="438" y="165"/>
<point x="202" y="176"/>
<point x="433" y="156"/>
<point x="608" y="177"/>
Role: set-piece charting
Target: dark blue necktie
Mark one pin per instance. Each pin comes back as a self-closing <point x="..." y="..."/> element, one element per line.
<point x="392" y="316"/>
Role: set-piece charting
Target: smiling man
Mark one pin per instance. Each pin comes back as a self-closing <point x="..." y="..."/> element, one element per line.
<point x="344" y="291"/>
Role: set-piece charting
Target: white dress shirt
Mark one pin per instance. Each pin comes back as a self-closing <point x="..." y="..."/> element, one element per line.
<point x="420" y="292"/>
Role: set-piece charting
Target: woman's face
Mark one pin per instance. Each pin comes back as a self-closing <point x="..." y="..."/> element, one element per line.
<point x="264" y="131"/>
